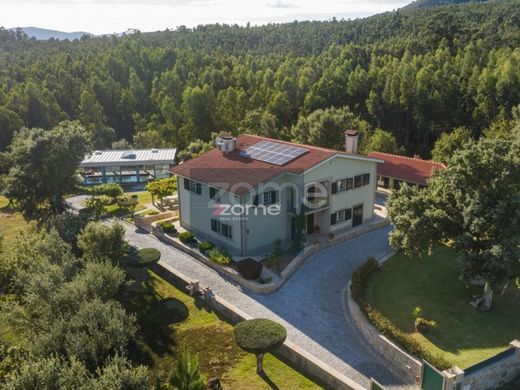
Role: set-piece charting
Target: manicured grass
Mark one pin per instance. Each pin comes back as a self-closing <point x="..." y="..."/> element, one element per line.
<point x="12" y="223"/>
<point x="143" y="198"/>
<point x="169" y="318"/>
<point x="464" y="335"/>
<point x="243" y="376"/>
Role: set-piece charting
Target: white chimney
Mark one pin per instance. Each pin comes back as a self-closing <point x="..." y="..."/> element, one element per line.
<point x="226" y="142"/>
<point x="351" y="141"/>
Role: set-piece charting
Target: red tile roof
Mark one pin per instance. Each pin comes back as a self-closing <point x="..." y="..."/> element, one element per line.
<point x="232" y="170"/>
<point x="410" y="169"/>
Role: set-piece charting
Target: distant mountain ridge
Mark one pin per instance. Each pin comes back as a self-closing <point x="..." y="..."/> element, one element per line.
<point x="44" y="34"/>
<point x="435" y="3"/>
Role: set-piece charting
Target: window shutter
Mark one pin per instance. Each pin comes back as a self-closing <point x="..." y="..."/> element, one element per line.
<point x="198" y="188"/>
<point x="273" y="197"/>
<point x="212" y="192"/>
<point x="186" y="184"/>
<point x="334" y="187"/>
<point x="333" y="219"/>
<point x="348" y="214"/>
<point x="255" y="200"/>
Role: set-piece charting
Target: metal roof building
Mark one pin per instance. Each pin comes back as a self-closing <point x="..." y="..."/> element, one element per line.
<point x="127" y="167"/>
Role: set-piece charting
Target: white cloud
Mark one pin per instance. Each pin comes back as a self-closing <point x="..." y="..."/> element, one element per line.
<point x="109" y="16"/>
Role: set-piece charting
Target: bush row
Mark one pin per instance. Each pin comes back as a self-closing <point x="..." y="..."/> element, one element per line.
<point x="383" y="324"/>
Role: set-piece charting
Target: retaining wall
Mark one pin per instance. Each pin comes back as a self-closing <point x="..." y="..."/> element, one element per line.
<point x="289" y="351"/>
<point x="402" y="364"/>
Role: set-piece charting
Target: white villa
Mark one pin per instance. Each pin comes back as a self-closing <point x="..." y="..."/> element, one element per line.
<point x="250" y="191"/>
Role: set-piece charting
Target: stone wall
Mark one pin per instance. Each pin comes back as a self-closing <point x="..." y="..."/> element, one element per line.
<point x="402" y="364"/>
<point x="490" y="376"/>
<point x="298" y="358"/>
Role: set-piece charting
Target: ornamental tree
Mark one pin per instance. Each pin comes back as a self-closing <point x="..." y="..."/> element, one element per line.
<point x="473" y="203"/>
<point x="162" y="187"/>
<point x="187" y="375"/>
<point x="259" y="336"/>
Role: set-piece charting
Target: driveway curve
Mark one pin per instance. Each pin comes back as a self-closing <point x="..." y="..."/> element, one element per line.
<point x="310" y="305"/>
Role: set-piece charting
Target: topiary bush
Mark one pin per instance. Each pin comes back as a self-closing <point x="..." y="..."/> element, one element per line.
<point x="143" y="257"/>
<point x="259" y="336"/>
<point x="249" y="268"/>
<point x="219" y="257"/>
<point x="206" y="246"/>
<point x="186" y="237"/>
<point x="167" y="227"/>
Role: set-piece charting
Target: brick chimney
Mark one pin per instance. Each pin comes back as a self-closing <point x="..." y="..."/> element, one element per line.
<point x="351" y="141"/>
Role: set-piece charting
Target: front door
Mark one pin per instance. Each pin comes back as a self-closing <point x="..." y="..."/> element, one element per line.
<point x="310" y="223"/>
<point x="357" y="215"/>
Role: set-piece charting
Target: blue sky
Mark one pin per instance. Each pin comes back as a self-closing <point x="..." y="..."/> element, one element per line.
<point x="109" y="16"/>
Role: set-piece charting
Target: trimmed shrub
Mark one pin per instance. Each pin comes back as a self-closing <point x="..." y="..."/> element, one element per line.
<point x="385" y="326"/>
<point x="143" y="257"/>
<point x="249" y="268"/>
<point x="167" y="227"/>
<point x="186" y="237"/>
<point x="206" y="246"/>
<point x="360" y="276"/>
<point x="218" y="257"/>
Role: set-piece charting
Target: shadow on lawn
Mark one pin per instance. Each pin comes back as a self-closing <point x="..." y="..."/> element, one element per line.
<point x="268" y="380"/>
<point x="154" y="315"/>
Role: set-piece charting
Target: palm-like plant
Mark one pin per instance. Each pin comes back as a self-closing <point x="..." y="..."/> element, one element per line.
<point x="187" y="374"/>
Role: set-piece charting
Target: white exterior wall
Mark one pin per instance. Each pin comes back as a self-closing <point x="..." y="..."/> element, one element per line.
<point x="256" y="233"/>
<point x="196" y="214"/>
<point x="340" y="168"/>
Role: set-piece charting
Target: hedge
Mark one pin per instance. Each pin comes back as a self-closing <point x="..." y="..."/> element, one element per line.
<point x="186" y="237"/>
<point x="218" y="257"/>
<point x="383" y="324"/>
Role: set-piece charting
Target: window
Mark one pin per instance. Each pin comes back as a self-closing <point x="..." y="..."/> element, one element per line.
<point x="222" y="228"/>
<point x="192" y="186"/>
<point x="212" y="192"/>
<point x="358" y="181"/>
<point x="341" y="216"/>
<point x="226" y="230"/>
<point x="340" y="185"/>
<point x="366" y="179"/>
<point x="349" y="183"/>
<point x="265" y="198"/>
<point x="215" y="225"/>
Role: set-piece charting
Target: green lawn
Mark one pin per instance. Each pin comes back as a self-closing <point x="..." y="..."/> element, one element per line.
<point x="464" y="335"/>
<point x="12" y="223"/>
<point x="143" y="197"/>
<point x="169" y="318"/>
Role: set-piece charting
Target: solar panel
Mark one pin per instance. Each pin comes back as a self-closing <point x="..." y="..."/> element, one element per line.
<point x="273" y="153"/>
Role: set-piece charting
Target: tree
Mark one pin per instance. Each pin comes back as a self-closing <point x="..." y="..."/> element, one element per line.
<point x="42" y="168"/>
<point x="326" y="127"/>
<point x="382" y="141"/>
<point x="98" y="241"/>
<point x="450" y="143"/>
<point x="259" y="336"/>
<point x="198" y="105"/>
<point x="10" y="122"/>
<point x="187" y="374"/>
<point x="473" y="203"/>
<point x="149" y="139"/>
<point x="121" y="144"/>
<point x="261" y="123"/>
<point x="162" y="187"/>
<point x="194" y="149"/>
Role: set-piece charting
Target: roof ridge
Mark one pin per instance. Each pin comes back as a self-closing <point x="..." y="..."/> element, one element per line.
<point x="408" y="157"/>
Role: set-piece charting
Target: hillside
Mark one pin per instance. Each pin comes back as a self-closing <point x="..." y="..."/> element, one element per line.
<point x="436" y="3"/>
<point x="44" y="34"/>
<point x="413" y="74"/>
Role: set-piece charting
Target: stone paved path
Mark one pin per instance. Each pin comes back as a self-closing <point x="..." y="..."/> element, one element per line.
<point x="310" y="304"/>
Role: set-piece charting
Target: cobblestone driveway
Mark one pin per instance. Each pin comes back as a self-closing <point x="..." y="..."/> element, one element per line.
<point x="310" y="304"/>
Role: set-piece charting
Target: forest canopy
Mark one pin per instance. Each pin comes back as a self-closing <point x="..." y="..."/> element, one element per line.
<point x="414" y="74"/>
